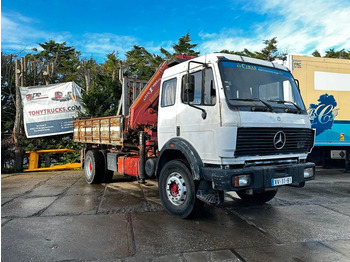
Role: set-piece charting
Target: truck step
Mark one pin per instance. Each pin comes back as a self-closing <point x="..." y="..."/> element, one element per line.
<point x="210" y="196"/>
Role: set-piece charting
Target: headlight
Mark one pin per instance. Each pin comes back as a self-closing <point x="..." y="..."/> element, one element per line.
<point x="241" y="181"/>
<point x="308" y="172"/>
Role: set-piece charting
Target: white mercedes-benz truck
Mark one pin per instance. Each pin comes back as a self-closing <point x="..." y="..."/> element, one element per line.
<point x="220" y="123"/>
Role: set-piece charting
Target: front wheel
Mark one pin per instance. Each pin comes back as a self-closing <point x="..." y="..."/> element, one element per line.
<point x="257" y="198"/>
<point x="177" y="189"/>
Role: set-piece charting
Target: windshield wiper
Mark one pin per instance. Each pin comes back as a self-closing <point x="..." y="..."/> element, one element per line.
<point x="254" y="100"/>
<point x="287" y="102"/>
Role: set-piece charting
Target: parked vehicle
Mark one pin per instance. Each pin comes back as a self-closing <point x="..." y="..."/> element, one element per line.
<point x="324" y="85"/>
<point x="58" y="96"/>
<point x="67" y="97"/>
<point x="35" y="96"/>
<point x="204" y="125"/>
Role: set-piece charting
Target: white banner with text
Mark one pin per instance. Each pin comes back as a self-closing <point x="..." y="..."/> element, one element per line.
<point x="49" y="110"/>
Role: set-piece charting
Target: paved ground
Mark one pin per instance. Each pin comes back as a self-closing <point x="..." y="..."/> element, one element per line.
<point x="58" y="217"/>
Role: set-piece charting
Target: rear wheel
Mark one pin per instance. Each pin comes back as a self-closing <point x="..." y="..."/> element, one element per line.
<point x="177" y="189"/>
<point x="94" y="167"/>
<point x="257" y="198"/>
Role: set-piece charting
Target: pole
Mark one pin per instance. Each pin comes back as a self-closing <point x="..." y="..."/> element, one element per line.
<point x="125" y="102"/>
<point x="121" y="81"/>
<point x="17" y="128"/>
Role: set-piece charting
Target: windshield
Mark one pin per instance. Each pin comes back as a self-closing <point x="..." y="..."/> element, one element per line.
<point x="254" y="87"/>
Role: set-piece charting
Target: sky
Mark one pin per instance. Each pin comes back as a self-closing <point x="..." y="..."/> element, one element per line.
<point x="97" y="28"/>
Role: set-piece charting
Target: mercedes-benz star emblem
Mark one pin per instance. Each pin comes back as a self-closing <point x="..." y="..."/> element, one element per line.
<point x="279" y="140"/>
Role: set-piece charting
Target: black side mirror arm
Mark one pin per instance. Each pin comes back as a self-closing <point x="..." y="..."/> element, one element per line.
<point x="188" y="88"/>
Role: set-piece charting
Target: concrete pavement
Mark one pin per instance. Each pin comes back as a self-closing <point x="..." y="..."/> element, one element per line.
<point x="57" y="216"/>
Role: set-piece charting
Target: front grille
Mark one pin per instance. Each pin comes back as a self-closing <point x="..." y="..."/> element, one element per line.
<point x="253" y="141"/>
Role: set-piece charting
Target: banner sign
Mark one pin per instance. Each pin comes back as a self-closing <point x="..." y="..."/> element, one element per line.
<point x="49" y="110"/>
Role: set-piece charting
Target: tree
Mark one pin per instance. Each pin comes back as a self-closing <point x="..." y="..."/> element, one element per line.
<point x="103" y="96"/>
<point x="269" y="52"/>
<point x="88" y="68"/>
<point x="112" y="65"/>
<point x="245" y="52"/>
<point x="11" y="108"/>
<point x="316" y="53"/>
<point x="68" y="69"/>
<point x="8" y="93"/>
<point x="183" y="46"/>
<point x="54" y="64"/>
<point x="53" y="55"/>
<point x="140" y="63"/>
<point x="165" y="53"/>
<point x="342" y="54"/>
<point x="332" y="53"/>
<point x="8" y="100"/>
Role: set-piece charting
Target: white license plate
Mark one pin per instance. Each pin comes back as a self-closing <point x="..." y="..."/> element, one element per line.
<point x="281" y="181"/>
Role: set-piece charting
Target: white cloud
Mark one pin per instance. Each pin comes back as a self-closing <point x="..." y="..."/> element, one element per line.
<point x="19" y="33"/>
<point x="101" y="44"/>
<point x="300" y="27"/>
<point x="228" y="40"/>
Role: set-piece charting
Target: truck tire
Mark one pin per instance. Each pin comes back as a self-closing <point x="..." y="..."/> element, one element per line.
<point x="177" y="189"/>
<point x="94" y="167"/>
<point x="108" y="174"/>
<point x="257" y="198"/>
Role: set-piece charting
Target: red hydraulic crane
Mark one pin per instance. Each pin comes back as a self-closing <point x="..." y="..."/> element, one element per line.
<point x="144" y="111"/>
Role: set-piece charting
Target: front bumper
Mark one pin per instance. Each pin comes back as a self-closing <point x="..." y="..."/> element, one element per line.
<point x="261" y="176"/>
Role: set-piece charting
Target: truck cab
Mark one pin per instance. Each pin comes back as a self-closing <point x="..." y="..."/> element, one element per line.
<point x="238" y="124"/>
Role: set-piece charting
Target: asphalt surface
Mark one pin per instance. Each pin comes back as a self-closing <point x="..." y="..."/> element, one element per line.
<point x="57" y="216"/>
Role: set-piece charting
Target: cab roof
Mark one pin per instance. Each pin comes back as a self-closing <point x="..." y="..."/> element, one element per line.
<point x="216" y="57"/>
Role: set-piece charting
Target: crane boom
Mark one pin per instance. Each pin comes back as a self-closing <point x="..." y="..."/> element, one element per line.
<point x="144" y="111"/>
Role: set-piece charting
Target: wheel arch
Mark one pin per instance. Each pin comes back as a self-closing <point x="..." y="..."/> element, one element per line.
<point x="177" y="148"/>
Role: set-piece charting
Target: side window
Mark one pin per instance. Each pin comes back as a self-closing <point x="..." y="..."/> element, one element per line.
<point x="204" y="88"/>
<point x="287" y="91"/>
<point x="168" y="93"/>
<point x="197" y="88"/>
